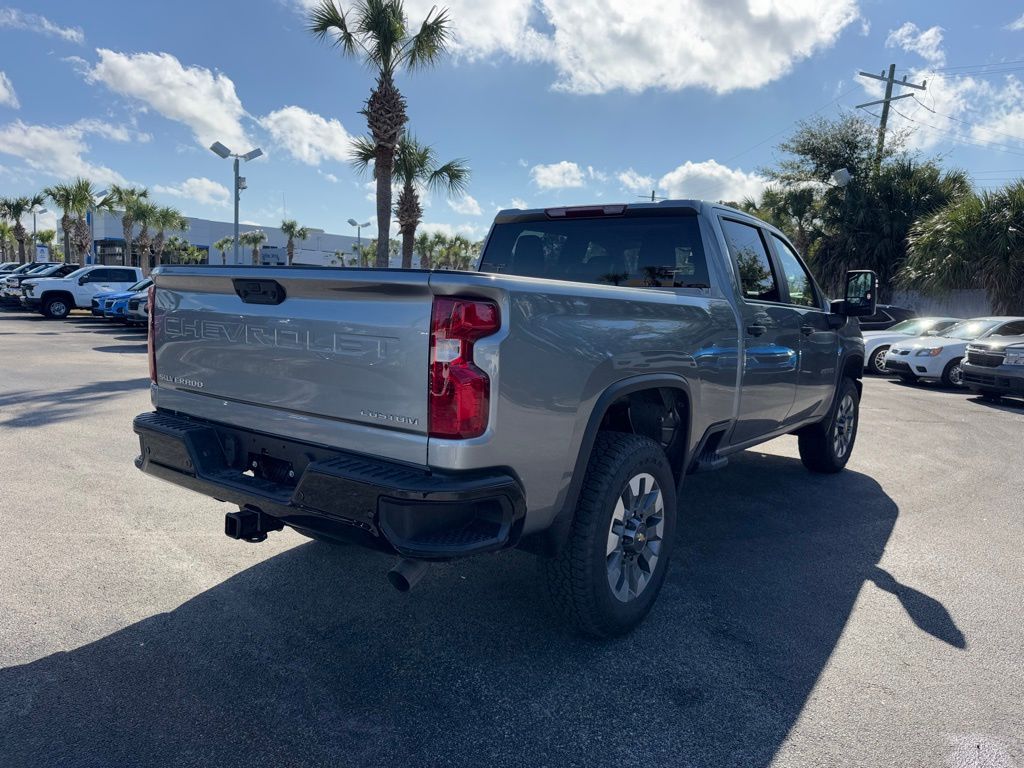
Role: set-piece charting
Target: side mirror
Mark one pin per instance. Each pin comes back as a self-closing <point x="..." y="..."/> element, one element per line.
<point x="83" y="280"/>
<point x="861" y="294"/>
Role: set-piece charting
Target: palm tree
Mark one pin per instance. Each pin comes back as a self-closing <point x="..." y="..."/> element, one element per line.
<point x="7" y="241"/>
<point x="63" y="196"/>
<point x="869" y="229"/>
<point x="254" y="238"/>
<point x="127" y="201"/>
<point x="379" y="32"/>
<point x="223" y="245"/>
<point x="975" y="241"/>
<point x="291" y="228"/>
<point x="14" y="208"/>
<point x="164" y="218"/>
<point x="145" y="215"/>
<point x="415" y="166"/>
<point x="83" y="200"/>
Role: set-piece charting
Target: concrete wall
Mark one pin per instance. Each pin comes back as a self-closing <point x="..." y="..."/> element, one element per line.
<point x="965" y="303"/>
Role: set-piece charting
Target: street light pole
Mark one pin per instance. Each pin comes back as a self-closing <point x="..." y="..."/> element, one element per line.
<point x="359" y="238"/>
<point x="238" y="194"/>
<point x="223" y="152"/>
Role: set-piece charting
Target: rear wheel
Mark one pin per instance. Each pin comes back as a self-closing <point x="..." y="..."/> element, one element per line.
<point x="56" y="308"/>
<point x="952" y="374"/>
<point x="609" y="573"/>
<point x="826" y="446"/>
<point x="877" y="362"/>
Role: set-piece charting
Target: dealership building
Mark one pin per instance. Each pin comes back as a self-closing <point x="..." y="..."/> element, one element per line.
<point x="320" y="248"/>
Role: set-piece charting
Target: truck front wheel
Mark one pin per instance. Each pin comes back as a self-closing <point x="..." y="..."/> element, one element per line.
<point x="56" y="308"/>
<point x="610" y="571"/>
<point x="826" y="446"/>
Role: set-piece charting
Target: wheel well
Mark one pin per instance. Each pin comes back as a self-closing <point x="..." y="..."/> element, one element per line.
<point x="662" y="414"/>
<point x="853" y="368"/>
<point x="55" y="294"/>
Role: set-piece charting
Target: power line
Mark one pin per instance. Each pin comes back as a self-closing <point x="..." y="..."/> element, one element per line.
<point x="957" y="137"/>
<point x="968" y="123"/>
<point x="783" y="130"/>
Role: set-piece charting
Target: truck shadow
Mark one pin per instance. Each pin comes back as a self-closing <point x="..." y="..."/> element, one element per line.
<point x="39" y="408"/>
<point x="308" y="658"/>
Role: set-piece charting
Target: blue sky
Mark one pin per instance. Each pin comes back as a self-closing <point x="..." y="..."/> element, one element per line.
<point x="550" y="101"/>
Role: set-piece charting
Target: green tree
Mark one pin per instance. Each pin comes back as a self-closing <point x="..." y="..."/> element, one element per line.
<point x="869" y="228"/>
<point x="223" y="245"/>
<point x="63" y="196"/>
<point x="415" y="166"/>
<point x="7" y="242"/>
<point x="254" y="239"/>
<point x="127" y="200"/>
<point x="145" y="215"/>
<point x="291" y="228"/>
<point x="794" y="210"/>
<point x="165" y="218"/>
<point x="46" y="237"/>
<point x="975" y="241"/>
<point x="14" y="208"/>
<point x="379" y="32"/>
<point x="83" y="199"/>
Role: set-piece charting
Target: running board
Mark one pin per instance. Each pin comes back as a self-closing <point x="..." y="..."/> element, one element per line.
<point x="709" y="459"/>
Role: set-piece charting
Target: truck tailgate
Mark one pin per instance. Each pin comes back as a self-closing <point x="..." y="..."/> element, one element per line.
<point x="349" y="345"/>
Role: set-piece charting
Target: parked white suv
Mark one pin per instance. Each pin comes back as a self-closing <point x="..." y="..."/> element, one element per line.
<point x="56" y="298"/>
<point x="939" y="357"/>
<point x="877" y="343"/>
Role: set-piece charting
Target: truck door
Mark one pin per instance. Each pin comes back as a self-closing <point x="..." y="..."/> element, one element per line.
<point x="819" y="344"/>
<point x="770" y="335"/>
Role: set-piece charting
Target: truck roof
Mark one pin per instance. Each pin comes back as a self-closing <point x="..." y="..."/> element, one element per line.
<point x="596" y="209"/>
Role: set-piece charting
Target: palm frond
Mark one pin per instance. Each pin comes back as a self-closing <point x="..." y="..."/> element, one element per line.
<point x="425" y="47"/>
<point x="452" y="177"/>
<point x="328" y="22"/>
<point x="362" y="152"/>
<point x="381" y="23"/>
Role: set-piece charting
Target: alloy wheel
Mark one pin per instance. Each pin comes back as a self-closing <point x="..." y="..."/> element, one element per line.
<point x="635" y="537"/>
<point x="843" y="426"/>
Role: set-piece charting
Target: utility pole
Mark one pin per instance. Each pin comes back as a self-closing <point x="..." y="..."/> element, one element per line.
<point x="889" y="81"/>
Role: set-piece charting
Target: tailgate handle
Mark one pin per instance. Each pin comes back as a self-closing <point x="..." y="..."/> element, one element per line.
<point x="259" y="291"/>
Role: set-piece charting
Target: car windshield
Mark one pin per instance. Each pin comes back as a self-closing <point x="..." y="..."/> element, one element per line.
<point x="40" y="268"/>
<point x="915" y="327"/>
<point x="76" y="273"/>
<point x="141" y="285"/>
<point x="971" y="329"/>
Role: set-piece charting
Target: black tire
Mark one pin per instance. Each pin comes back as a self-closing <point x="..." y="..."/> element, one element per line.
<point x="56" y="308"/>
<point x="952" y="375"/>
<point x="873" y="366"/>
<point x="908" y="378"/>
<point x="578" y="581"/>
<point x="990" y="395"/>
<point x="822" y="448"/>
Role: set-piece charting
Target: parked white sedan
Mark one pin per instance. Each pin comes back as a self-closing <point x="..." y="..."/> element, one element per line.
<point x="877" y="343"/>
<point x="937" y="358"/>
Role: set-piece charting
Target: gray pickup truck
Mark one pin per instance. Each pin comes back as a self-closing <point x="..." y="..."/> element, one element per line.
<point x="554" y="400"/>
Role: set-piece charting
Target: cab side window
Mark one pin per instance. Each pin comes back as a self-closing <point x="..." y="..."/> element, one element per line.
<point x="122" y="276"/>
<point x="798" y="280"/>
<point x="98" y="276"/>
<point x="750" y="255"/>
<point x="1016" y="328"/>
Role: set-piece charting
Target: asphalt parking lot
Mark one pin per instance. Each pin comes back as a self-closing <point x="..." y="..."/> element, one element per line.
<point x="874" y="618"/>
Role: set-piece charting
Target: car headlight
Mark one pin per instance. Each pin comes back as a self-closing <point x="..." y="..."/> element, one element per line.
<point x="930" y="352"/>
<point x="1014" y="357"/>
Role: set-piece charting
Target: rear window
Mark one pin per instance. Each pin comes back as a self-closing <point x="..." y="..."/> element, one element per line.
<point x="643" y="252"/>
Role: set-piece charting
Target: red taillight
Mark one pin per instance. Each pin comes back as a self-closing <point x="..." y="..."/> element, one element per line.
<point x="151" y="304"/>
<point x="460" y="393"/>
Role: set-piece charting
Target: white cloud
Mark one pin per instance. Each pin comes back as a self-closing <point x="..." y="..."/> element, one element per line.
<point x="307" y="136"/>
<point x="635" y="182"/>
<point x="7" y="94"/>
<point x="925" y="43"/>
<point x="596" y="175"/>
<point x="518" y="202"/>
<point x="561" y="175"/>
<point x="710" y="180"/>
<point x="56" y="151"/>
<point x="110" y="131"/>
<point x="202" y="190"/>
<point x="1016" y="25"/>
<point x="466" y="205"/>
<point x="329" y="176"/>
<point x="203" y="100"/>
<point x="15" y="19"/>
<point x="598" y="46"/>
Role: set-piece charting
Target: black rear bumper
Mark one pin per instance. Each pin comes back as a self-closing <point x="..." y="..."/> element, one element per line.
<point x="414" y="512"/>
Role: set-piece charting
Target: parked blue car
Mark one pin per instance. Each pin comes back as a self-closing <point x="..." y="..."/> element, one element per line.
<point x="113" y="305"/>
